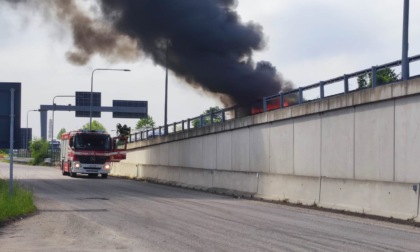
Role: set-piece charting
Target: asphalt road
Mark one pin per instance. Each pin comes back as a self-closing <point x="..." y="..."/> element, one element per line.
<point x="85" y="214"/>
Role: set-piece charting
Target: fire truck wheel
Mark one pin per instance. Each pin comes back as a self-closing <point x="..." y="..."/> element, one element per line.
<point x="104" y="175"/>
<point x="72" y="174"/>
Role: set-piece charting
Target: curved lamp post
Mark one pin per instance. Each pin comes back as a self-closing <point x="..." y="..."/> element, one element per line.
<point x="91" y="89"/>
<point x="52" y="131"/>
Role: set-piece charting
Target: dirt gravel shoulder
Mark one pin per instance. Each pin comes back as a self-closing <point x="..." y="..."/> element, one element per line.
<point x="54" y="228"/>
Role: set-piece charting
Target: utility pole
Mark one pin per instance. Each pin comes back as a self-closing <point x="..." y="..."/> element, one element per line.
<point x="166" y="92"/>
<point x="405" y="68"/>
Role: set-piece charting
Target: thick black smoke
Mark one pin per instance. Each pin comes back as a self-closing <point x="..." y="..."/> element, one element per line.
<point x="207" y="43"/>
<point x="201" y="41"/>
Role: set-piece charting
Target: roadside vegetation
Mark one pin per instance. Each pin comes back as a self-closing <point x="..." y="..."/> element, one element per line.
<point x="3" y="154"/>
<point x="217" y="117"/>
<point x="21" y="202"/>
<point x="95" y="126"/>
<point x="145" y="123"/>
<point x="39" y="150"/>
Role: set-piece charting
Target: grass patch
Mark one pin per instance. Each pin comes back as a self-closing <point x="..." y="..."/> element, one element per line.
<point x="21" y="202"/>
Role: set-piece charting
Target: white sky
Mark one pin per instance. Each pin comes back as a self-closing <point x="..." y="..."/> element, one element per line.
<point x="308" y="41"/>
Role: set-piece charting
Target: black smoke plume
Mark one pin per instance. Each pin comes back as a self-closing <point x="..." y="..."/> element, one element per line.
<point x="203" y="42"/>
<point x="90" y="36"/>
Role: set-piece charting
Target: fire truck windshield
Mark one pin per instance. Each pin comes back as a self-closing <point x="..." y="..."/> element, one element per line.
<point x="92" y="142"/>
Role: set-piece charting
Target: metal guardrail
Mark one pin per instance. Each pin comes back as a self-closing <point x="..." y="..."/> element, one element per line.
<point x="344" y="79"/>
<point x="184" y="125"/>
<point x="237" y="112"/>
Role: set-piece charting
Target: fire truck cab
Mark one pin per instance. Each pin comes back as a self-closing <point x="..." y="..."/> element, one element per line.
<point x="90" y="152"/>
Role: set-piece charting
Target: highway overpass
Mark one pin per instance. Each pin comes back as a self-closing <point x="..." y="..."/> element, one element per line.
<point x="357" y="151"/>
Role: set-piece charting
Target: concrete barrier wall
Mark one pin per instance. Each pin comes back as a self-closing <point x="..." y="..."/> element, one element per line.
<point x="407" y="139"/>
<point x="355" y="152"/>
<point x="397" y="200"/>
<point x="374" y="141"/>
<point x="289" y="188"/>
<point x="337" y="149"/>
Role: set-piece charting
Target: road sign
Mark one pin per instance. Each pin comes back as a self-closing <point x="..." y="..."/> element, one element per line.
<point x="5" y="114"/>
<point x="140" y="108"/>
<point x="83" y="99"/>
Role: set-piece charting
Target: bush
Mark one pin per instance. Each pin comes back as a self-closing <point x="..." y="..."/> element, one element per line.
<point x="39" y="150"/>
<point x="3" y="154"/>
<point x="19" y="204"/>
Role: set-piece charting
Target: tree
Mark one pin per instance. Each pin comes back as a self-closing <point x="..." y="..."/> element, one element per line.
<point x="39" y="150"/>
<point x="212" y="111"/>
<point x="123" y="130"/>
<point x="95" y="126"/>
<point x="63" y="130"/>
<point x="145" y="123"/>
<point x="383" y="76"/>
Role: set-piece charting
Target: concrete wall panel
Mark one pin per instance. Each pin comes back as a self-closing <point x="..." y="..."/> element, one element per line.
<point x="281" y="147"/>
<point x="413" y="86"/>
<point x="174" y="153"/>
<point x="374" y="141"/>
<point x="132" y="157"/>
<point x="224" y="150"/>
<point x="148" y="172"/>
<point x="294" y="189"/>
<point x="240" y="149"/>
<point x="338" y="144"/>
<point x="279" y="114"/>
<point x="136" y="157"/>
<point x="194" y="152"/>
<point x="389" y="199"/>
<point x="168" y="173"/>
<point x="183" y="147"/>
<point x="259" y="153"/>
<point x="209" y="152"/>
<point x="164" y="154"/>
<point x="407" y="140"/>
<point x="237" y="181"/>
<point x="142" y="153"/>
<point x="124" y="169"/>
<point x="154" y="154"/>
<point x="307" y="147"/>
<point x="196" y="177"/>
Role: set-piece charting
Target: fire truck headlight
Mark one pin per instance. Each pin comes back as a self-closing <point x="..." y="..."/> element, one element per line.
<point x="76" y="165"/>
<point x="107" y="166"/>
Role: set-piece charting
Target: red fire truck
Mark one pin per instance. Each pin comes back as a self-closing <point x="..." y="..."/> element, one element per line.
<point x="90" y="152"/>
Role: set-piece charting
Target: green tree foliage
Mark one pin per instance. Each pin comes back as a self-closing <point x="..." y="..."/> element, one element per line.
<point x="3" y="154"/>
<point x="383" y="76"/>
<point x="123" y="130"/>
<point x="95" y="126"/>
<point x="217" y="117"/>
<point x="145" y="123"/>
<point x="63" y="130"/>
<point x="39" y="150"/>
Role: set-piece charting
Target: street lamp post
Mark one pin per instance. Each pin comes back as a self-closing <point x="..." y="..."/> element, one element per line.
<point x="27" y="129"/>
<point x="91" y="89"/>
<point x="52" y="130"/>
<point x="166" y="93"/>
<point x="405" y="63"/>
